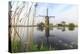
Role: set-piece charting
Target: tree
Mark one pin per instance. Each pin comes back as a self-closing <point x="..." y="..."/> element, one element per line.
<point x="59" y="25"/>
<point x="40" y="24"/>
<point x="71" y="25"/>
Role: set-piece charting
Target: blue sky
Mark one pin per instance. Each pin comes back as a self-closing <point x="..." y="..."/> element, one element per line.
<point x="53" y="8"/>
<point x="62" y="12"/>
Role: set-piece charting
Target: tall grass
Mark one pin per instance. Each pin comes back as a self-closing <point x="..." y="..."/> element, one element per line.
<point x="16" y="46"/>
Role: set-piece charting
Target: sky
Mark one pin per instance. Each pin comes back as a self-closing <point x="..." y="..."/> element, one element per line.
<point x="62" y="12"/>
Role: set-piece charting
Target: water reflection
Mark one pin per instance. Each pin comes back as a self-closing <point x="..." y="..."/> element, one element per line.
<point x="71" y="28"/>
<point x="59" y="28"/>
<point x="40" y="28"/>
<point x="53" y="42"/>
<point x="45" y="38"/>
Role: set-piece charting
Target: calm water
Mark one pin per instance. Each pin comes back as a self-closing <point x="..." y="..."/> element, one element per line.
<point x="55" y="38"/>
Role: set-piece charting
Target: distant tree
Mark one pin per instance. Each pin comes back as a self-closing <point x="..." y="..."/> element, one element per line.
<point x="40" y="24"/>
<point x="59" y="24"/>
<point x="71" y="25"/>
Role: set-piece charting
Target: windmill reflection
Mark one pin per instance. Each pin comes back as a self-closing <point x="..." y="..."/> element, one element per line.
<point x="53" y="43"/>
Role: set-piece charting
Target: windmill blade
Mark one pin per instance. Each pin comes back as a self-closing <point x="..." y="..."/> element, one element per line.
<point x="51" y="16"/>
<point x="40" y="16"/>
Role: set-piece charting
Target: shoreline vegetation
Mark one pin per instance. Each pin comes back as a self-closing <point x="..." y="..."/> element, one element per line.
<point x="43" y="25"/>
<point x="62" y="24"/>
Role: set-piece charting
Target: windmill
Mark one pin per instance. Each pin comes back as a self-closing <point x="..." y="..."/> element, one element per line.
<point x="46" y="24"/>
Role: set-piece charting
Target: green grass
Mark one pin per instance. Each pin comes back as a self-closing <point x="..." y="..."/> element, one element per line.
<point x="16" y="46"/>
<point x="34" y="48"/>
